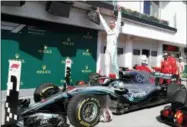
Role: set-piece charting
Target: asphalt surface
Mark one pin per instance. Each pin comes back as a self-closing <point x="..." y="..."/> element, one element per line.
<point x="141" y="118"/>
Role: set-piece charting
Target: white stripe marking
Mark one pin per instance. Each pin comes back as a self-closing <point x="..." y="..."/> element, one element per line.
<point x="7" y="119"/>
<point x="17" y="29"/>
<point x="9" y="24"/>
<point x="10" y="115"/>
<point x="8" y="92"/>
<point x="10" y="87"/>
<point x="6" y="105"/>
<point x="8" y="110"/>
<point x="15" y="117"/>
<point x="7" y="27"/>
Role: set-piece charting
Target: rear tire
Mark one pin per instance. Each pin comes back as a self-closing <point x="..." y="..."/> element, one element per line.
<point x="177" y="93"/>
<point x="77" y="108"/>
<point x="45" y="90"/>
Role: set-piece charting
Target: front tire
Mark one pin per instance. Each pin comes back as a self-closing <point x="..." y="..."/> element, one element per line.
<point x="45" y="90"/>
<point x="81" y="106"/>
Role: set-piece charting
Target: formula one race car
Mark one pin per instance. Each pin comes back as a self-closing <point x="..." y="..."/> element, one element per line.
<point x="134" y="91"/>
<point x="96" y="78"/>
<point x="176" y="113"/>
<point x="167" y="79"/>
<point x="82" y="104"/>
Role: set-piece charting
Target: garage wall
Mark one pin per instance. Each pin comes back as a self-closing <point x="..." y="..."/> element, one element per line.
<point x="43" y="50"/>
<point x="150" y="45"/>
<point x="78" y="17"/>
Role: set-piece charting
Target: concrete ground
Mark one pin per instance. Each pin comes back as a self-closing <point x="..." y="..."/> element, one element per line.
<point x="142" y="118"/>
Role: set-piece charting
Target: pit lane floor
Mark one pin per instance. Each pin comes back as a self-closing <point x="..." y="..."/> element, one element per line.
<point x="141" y="118"/>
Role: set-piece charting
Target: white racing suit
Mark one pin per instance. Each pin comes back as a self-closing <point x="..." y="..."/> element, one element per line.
<point x="111" y="47"/>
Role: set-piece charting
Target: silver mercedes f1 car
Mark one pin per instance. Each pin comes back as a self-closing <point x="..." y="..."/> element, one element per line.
<point x="83" y="104"/>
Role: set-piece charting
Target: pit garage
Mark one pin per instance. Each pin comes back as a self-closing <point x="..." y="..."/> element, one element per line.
<point x="148" y="47"/>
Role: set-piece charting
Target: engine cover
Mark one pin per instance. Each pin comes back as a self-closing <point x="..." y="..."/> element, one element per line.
<point x="45" y="120"/>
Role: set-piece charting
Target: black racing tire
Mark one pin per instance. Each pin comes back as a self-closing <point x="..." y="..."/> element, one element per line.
<point x="45" y="90"/>
<point x="76" y="108"/>
<point x="176" y="93"/>
<point x="93" y="78"/>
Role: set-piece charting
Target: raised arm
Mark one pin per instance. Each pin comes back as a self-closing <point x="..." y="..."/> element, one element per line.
<point x="103" y="22"/>
<point x="119" y="18"/>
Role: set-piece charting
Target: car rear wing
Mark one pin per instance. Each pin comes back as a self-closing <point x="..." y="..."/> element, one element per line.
<point x="12" y="97"/>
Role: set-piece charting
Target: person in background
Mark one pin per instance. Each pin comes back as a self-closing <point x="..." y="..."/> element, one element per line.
<point x="173" y="63"/>
<point x="144" y="60"/>
<point x="165" y="68"/>
<point x="144" y="65"/>
<point x="180" y="65"/>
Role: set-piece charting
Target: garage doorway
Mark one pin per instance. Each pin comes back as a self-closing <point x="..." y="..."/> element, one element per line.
<point x="146" y="52"/>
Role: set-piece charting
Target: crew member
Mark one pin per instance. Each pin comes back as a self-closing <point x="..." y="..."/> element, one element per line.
<point x="112" y="31"/>
<point x="165" y="68"/>
<point x="180" y="67"/>
<point x="173" y="63"/>
<point x="144" y="65"/>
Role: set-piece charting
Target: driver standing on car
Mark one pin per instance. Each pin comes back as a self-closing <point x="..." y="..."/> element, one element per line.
<point x="112" y="31"/>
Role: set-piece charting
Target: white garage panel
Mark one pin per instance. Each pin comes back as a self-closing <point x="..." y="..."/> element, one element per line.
<point x="145" y="46"/>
